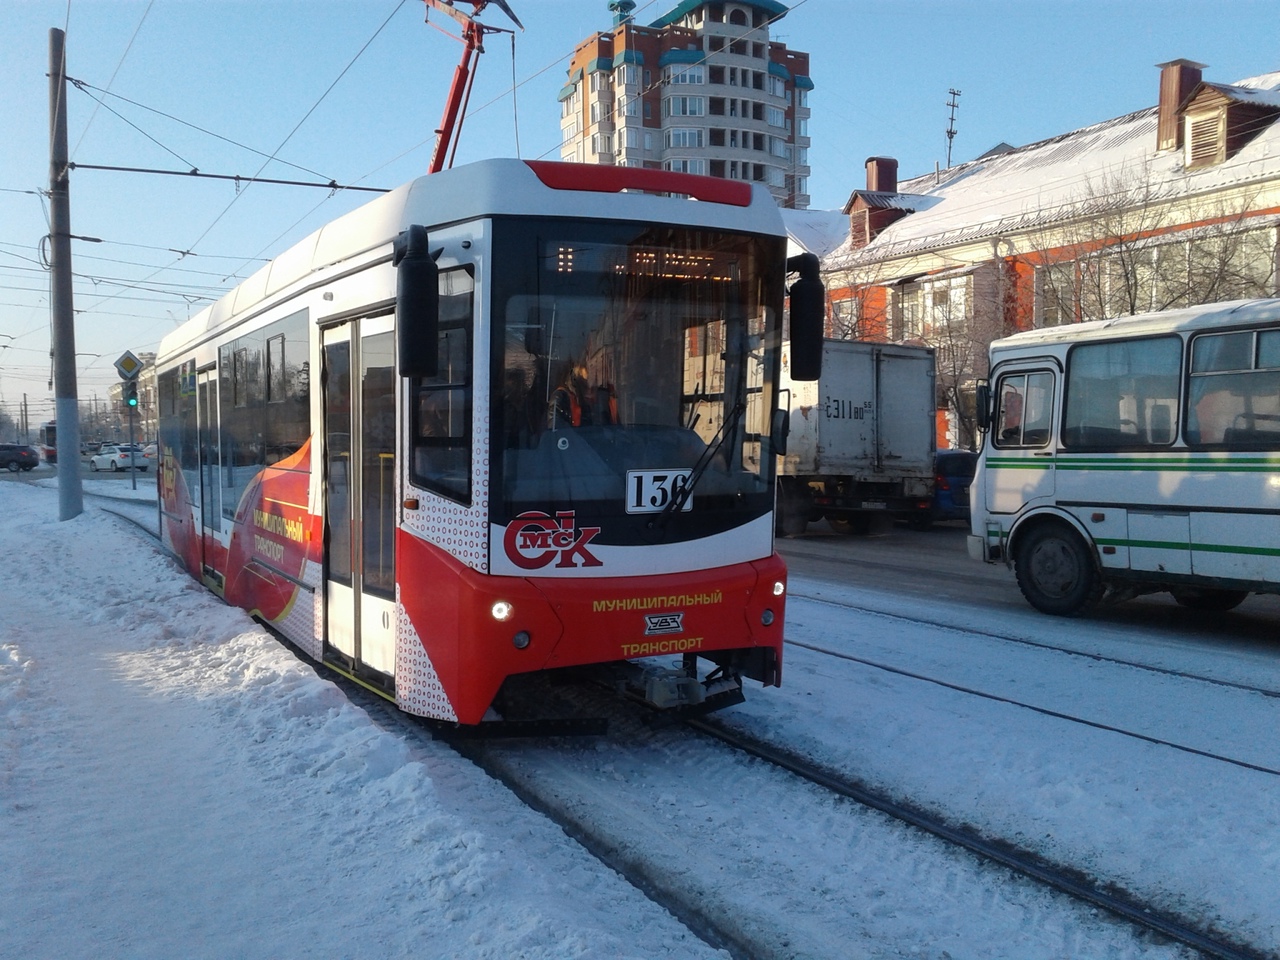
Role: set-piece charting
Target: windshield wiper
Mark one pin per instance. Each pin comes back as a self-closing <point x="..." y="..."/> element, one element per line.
<point x="681" y="497"/>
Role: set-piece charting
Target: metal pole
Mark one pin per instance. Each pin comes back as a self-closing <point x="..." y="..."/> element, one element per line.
<point x="66" y="407"/>
<point x="133" y="455"/>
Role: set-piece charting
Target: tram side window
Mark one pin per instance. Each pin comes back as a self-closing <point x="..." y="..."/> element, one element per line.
<point x="1025" y="414"/>
<point x="441" y="405"/>
<point x="1122" y="394"/>
<point x="1234" y="391"/>
<point x="264" y="403"/>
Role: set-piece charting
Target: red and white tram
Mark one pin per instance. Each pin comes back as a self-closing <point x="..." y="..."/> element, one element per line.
<point x="509" y="418"/>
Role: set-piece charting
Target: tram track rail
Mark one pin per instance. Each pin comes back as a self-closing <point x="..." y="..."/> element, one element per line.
<point x="1040" y="645"/>
<point x="1065" y="880"/>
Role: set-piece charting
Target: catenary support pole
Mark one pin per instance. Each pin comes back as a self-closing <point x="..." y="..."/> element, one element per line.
<point x="66" y="406"/>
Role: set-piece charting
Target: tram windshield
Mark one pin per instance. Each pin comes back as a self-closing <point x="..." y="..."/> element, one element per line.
<point x="633" y="371"/>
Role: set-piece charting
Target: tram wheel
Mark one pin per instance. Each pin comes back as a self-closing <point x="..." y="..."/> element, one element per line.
<point x="1208" y="598"/>
<point x="1056" y="571"/>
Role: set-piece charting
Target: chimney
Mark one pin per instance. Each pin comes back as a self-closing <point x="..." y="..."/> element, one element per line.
<point x="1177" y="79"/>
<point x="882" y="174"/>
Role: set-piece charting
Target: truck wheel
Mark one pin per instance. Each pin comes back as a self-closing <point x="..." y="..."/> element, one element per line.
<point x="858" y="525"/>
<point x="1207" y="598"/>
<point x="1056" y="571"/>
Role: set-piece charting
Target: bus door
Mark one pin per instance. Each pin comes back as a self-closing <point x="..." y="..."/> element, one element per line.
<point x="359" y="384"/>
<point x="1020" y="465"/>
<point x="210" y="492"/>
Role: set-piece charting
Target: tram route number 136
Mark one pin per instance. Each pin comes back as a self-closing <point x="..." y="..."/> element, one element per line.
<point x="650" y="491"/>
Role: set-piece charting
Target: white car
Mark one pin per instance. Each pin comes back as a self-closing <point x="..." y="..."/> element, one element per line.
<point x="118" y="457"/>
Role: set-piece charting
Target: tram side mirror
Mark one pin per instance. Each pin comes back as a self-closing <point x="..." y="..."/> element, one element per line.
<point x="779" y="430"/>
<point x="982" y="405"/>
<point x="417" y="304"/>
<point x="808" y="317"/>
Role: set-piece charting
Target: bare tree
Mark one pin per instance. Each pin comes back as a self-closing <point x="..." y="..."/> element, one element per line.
<point x="1123" y="247"/>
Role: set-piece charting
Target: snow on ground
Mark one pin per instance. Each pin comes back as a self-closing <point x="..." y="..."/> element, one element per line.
<point x="1187" y="833"/>
<point x="174" y="783"/>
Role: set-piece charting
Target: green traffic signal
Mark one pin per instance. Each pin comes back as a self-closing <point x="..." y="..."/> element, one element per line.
<point x="131" y="393"/>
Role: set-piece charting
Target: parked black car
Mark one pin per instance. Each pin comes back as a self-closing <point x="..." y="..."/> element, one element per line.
<point x="16" y="456"/>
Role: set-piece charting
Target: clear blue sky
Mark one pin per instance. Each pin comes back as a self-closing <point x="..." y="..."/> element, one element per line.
<point x="251" y="71"/>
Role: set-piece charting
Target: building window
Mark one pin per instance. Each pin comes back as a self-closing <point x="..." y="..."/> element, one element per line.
<point x="684" y="137"/>
<point x="602" y="143"/>
<point x="777" y="87"/>
<point x="776" y="117"/>
<point x="683" y="107"/>
<point x="692" y="73"/>
<point x="685" y="165"/>
<point x="1206" y="138"/>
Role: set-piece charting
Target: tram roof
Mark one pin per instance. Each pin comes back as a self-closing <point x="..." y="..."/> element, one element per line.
<point x="1209" y="315"/>
<point x="490" y="188"/>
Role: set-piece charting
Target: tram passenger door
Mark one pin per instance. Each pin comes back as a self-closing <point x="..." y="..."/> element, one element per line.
<point x="360" y="496"/>
<point x="210" y="490"/>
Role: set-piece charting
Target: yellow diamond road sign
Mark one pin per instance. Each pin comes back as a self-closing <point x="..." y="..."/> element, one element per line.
<point x="128" y="365"/>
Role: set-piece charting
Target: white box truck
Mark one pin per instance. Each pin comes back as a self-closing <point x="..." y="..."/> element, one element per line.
<point x="861" y="439"/>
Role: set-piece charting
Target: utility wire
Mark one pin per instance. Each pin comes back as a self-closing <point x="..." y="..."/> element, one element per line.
<point x="304" y="119"/>
<point x="238" y="178"/>
<point x="128" y="47"/>
<point x="85" y="87"/>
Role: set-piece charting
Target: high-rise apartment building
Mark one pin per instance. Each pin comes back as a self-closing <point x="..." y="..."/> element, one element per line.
<point x="701" y="90"/>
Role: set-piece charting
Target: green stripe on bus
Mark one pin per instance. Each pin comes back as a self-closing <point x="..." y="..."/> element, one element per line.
<point x="1203" y="547"/>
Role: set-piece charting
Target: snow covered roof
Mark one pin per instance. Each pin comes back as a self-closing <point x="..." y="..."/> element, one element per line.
<point x="884" y="200"/>
<point x="1033" y="185"/>
<point x="1244" y="94"/>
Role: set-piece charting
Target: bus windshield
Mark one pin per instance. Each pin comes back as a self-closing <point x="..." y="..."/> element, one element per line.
<point x="633" y="371"/>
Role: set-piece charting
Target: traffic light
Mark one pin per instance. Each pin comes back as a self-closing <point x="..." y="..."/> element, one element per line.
<point x="131" y="393"/>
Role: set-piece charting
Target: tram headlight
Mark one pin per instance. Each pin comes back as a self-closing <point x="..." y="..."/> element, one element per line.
<point x="502" y="610"/>
<point x="779" y="588"/>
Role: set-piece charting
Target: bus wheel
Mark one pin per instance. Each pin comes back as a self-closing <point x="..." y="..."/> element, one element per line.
<point x="1206" y="598"/>
<point x="1056" y="572"/>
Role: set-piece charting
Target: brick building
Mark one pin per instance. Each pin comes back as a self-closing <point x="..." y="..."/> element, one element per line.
<point x="701" y="90"/>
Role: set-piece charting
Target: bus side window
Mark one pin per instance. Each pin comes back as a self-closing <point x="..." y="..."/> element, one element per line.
<point x="1025" y="414"/>
<point x="1234" y="398"/>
